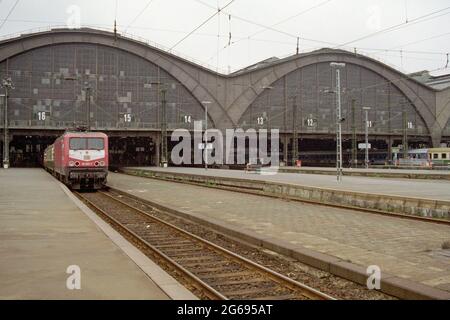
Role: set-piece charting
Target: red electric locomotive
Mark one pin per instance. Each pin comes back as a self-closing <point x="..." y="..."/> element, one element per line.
<point x="79" y="159"/>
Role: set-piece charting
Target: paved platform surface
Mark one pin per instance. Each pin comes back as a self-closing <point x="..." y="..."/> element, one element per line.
<point x="375" y="170"/>
<point x="405" y="248"/>
<point x="428" y="189"/>
<point x="42" y="232"/>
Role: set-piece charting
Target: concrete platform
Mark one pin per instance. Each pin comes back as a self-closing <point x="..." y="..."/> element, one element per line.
<point x="434" y="190"/>
<point x="342" y="241"/>
<point x="438" y="173"/>
<point x="43" y="231"/>
<point x="425" y="198"/>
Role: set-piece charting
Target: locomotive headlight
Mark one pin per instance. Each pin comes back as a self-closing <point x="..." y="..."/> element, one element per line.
<point x="102" y="163"/>
<point x="71" y="163"/>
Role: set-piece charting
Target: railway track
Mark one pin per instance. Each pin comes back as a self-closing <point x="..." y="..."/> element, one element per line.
<point x="212" y="271"/>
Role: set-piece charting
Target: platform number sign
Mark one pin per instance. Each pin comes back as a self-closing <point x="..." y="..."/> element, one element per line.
<point x="410" y="125"/>
<point x="187" y="119"/>
<point x="260" y="120"/>
<point x="310" y="122"/>
<point x="127" y="117"/>
<point x="369" y="124"/>
<point x="42" y="115"/>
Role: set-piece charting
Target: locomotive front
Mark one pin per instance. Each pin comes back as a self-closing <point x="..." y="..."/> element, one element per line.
<point x="86" y="161"/>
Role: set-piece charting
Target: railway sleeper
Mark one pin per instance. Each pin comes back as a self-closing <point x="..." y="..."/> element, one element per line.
<point x="208" y="263"/>
<point x="181" y="251"/>
<point x="175" y="245"/>
<point x="246" y="293"/>
<point x="190" y="258"/>
<point x="189" y="253"/>
<point x="280" y="297"/>
<point x="229" y="275"/>
<point x="225" y="282"/>
<point x="154" y="237"/>
<point x="212" y="272"/>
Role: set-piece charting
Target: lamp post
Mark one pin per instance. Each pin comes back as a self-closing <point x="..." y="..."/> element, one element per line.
<point x="294" y="131"/>
<point x="6" y="84"/>
<point x="405" y="130"/>
<point x="5" y="138"/>
<point x="366" y="109"/>
<point x="205" y="104"/>
<point x="268" y="106"/>
<point x="164" y="128"/>
<point x="88" y="88"/>
<point x="354" y="140"/>
<point x="339" y="119"/>
<point x="163" y="91"/>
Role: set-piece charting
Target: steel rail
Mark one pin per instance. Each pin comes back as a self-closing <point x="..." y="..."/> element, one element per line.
<point x="308" y="291"/>
<point x="280" y="279"/>
<point x="198" y="283"/>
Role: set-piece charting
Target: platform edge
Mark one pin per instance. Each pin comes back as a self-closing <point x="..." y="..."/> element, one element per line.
<point x="169" y="285"/>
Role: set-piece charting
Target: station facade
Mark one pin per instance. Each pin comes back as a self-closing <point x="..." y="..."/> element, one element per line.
<point x="131" y="90"/>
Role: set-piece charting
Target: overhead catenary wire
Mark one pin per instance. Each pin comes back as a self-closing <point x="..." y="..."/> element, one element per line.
<point x="9" y="14"/>
<point x="247" y="20"/>
<point x="138" y="15"/>
<point x="265" y="27"/>
<point x="235" y="38"/>
<point x="421" y="40"/>
<point x="396" y="27"/>
<point x="335" y="45"/>
<point x="228" y="37"/>
<point x="287" y="19"/>
<point x="202" y="24"/>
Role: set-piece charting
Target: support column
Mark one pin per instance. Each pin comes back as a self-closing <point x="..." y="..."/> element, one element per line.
<point x="389" y="142"/>
<point x="294" y="132"/>
<point x="405" y="131"/>
<point x="164" y="154"/>
<point x="436" y="140"/>
<point x="286" y="138"/>
<point x="158" y="149"/>
<point x="285" y="148"/>
<point x="354" y="139"/>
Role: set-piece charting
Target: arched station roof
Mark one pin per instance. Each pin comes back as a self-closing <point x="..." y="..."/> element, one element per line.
<point x="231" y="95"/>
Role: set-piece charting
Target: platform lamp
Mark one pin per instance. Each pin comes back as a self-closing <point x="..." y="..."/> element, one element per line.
<point x="7" y="85"/>
<point x="366" y="110"/>
<point x="268" y="88"/>
<point x="162" y="87"/>
<point x="205" y="148"/>
<point x="339" y="119"/>
<point x="2" y="103"/>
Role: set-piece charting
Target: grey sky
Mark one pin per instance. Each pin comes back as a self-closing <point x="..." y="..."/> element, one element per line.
<point x="337" y="21"/>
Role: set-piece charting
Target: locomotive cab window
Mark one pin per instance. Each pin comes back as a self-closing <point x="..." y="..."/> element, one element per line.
<point x="77" y="144"/>
<point x="86" y="144"/>
<point x="95" y="144"/>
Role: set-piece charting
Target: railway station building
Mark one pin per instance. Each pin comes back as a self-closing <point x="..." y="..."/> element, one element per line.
<point x="130" y="90"/>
